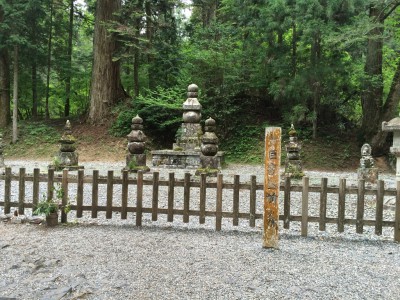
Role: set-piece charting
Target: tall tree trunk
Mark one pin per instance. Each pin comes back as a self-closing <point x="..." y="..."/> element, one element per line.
<point x="372" y="95"/>
<point x="379" y="140"/>
<point x="49" y="46"/>
<point x="69" y="60"/>
<point x="149" y="36"/>
<point x="136" y="63"/>
<point x="315" y="82"/>
<point x="294" y="49"/>
<point x="34" y="90"/>
<point x="106" y="88"/>
<point x="15" y="97"/>
<point x="5" y="115"/>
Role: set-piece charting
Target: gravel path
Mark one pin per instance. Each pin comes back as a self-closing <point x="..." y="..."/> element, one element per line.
<point x="113" y="259"/>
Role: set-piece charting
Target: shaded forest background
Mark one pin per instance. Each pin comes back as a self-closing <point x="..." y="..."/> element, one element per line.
<point x="330" y="67"/>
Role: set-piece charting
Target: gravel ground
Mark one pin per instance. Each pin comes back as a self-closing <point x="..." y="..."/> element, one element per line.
<point x="113" y="259"/>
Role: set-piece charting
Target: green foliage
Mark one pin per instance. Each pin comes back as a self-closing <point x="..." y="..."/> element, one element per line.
<point x="246" y="145"/>
<point x="48" y="206"/>
<point x="160" y="110"/>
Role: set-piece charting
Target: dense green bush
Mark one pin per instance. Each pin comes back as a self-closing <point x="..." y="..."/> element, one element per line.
<point x="160" y="109"/>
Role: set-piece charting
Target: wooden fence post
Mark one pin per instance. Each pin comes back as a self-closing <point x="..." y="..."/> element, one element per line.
<point x="171" y="185"/>
<point x="110" y="188"/>
<point x="154" y="201"/>
<point x="21" y="193"/>
<point x="64" y="201"/>
<point x="286" y="204"/>
<point x="304" y="207"/>
<point x="186" y="198"/>
<point x="360" y="206"/>
<point x="271" y="186"/>
<point x="139" y="198"/>
<point x="95" y="193"/>
<point x="236" y="182"/>
<point x="397" y="217"/>
<point x="203" y="189"/>
<point x="380" y="193"/>
<point x="7" y="191"/>
<point x="35" y="189"/>
<point x="253" y="194"/>
<point x="124" y="194"/>
<point x="50" y="184"/>
<point x="341" y="204"/>
<point x="218" y="212"/>
<point x="79" y="195"/>
<point x="322" y="204"/>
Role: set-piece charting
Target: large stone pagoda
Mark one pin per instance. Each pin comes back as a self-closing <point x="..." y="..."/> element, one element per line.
<point x="186" y="151"/>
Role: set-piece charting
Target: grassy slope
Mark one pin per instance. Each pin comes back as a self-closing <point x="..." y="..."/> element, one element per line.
<point x="40" y="141"/>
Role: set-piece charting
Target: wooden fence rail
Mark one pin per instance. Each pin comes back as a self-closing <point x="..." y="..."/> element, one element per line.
<point x="204" y="186"/>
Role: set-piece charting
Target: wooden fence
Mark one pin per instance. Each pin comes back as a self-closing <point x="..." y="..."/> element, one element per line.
<point x="204" y="185"/>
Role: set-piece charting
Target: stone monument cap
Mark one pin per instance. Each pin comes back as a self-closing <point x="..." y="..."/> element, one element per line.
<point x="392" y="125"/>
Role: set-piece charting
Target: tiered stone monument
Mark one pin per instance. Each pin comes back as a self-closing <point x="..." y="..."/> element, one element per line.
<point x="67" y="157"/>
<point x="2" y="165"/>
<point x="190" y="131"/>
<point x="209" y="150"/>
<point x="394" y="126"/>
<point x="136" y="158"/>
<point x="293" y="164"/>
<point x="367" y="170"/>
<point x="186" y="150"/>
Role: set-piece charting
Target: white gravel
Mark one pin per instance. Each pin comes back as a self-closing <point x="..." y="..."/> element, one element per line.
<point x="114" y="259"/>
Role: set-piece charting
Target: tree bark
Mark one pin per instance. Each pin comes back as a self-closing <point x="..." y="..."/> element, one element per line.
<point x="372" y="95"/>
<point x="69" y="60"/>
<point x="106" y="88"/>
<point x="49" y="46"/>
<point x="5" y="115"/>
<point x="15" y="97"/>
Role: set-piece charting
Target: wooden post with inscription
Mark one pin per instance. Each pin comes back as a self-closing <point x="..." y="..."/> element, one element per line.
<point x="271" y="186"/>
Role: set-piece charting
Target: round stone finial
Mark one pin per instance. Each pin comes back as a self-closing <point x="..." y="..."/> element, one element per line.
<point x="292" y="131"/>
<point x="137" y="120"/>
<point x="67" y="125"/>
<point x="210" y="122"/>
<point x="193" y="88"/>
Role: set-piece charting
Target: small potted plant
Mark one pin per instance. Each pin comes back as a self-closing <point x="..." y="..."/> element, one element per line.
<point x="50" y="207"/>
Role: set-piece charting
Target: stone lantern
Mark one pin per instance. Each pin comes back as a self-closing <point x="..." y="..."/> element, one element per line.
<point x="394" y="126"/>
<point x="136" y="159"/>
<point x="209" y="148"/>
<point x="1" y="151"/>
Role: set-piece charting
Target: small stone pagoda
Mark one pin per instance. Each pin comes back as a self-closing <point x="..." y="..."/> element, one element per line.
<point x="67" y="157"/>
<point x="2" y="165"/>
<point x="367" y="170"/>
<point x="293" y="164"/>
<point x="186" y="150"/>
<point x="136" y="158"/>
<point x="209" y="150"/>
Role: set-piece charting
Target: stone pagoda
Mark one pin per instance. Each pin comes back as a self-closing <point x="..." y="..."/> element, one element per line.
<point x="293" y="164"/>
<point x="67" y="157"/>
<point x="136" y="158"/>
<point x="189" y="135"/>
<point x="367" y="170"/>
<point x="2" y="165"/>
<point x="186" y="150"/>
<point x="209" y="163"/>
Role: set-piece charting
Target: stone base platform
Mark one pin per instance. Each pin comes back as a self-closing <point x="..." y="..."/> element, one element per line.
<point x="69" y="168"/>
<point x="180" y="159"/>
